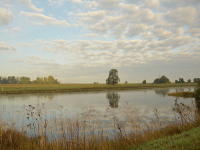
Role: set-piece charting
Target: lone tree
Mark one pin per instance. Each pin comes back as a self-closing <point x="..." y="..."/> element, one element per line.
<point x="163" y="79"/>
<point x="144" y="82"/>
<point x="113" y="77"/>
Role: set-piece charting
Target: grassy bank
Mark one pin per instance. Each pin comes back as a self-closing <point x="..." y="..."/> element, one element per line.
<point x="52" y="88"/>
<point x="89" y="134"/>
<point x="187" y="140"/>
<point x="183" y="94"/>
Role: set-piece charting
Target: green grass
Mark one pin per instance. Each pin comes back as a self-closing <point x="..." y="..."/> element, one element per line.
<point x="52" y="88"/>
<point x="188" y="140"/>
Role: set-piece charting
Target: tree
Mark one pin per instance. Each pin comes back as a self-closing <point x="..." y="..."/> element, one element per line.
<point x="113" y="77"/>
<point x="189" y="81"/>
<point x="12" y="80"/>
<point x="24" y="80"/>
<point x="196" y="80"/>
<point x="144" y="82"/>
<point x="126" y="82"/>
<point x="163" y="79"/>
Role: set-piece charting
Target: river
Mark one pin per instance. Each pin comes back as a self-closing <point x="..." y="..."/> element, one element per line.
<point x="110" y="108"/>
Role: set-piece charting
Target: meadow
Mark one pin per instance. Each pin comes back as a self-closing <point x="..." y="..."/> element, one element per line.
<point x="52" y="88"/>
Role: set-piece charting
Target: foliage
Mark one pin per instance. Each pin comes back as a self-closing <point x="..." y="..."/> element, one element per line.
<point x="46" y="80"/>
<point x="126" y="82"/>
<point x="197" y="91"/>
<point x="196" y="80"/>
<point x="27" y="80"/>
<point x="181" y="80"/>
<point x="163" y="79"/>
<point x="144" y="82"/>
<point x="113" y="77"/>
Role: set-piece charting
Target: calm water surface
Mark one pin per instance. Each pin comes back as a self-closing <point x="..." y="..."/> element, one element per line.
<point x="106" y="106"/>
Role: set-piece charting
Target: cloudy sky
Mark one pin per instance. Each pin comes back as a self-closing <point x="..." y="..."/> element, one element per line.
<point x="79" y="41"/>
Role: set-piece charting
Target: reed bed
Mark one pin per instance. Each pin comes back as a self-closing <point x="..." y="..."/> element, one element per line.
<point x="41" y="131"/>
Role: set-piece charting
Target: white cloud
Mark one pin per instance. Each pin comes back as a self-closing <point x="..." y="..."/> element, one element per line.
<point x="91" y="16"/>
<point x="30" y="5"/>
<point x="179" y="3"/>
<point x="129" y="8"/>
<point x="119" y="30"/>
<point x="161" y="33"/>
<point x="29" y="45"/>
<point x="181" y="16"/>
<point x="108" y="3"/>
<point x="4" y="47"/>
<point x="154" y="4"/>
<point x="77" y="1"/>
<point x="44" y="20"/>
<point x="136" y="29"/>
<point x="6" y="16"/>
<point x="13" y="30"/>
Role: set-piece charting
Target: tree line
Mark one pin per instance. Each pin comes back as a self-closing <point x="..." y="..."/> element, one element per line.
<point x="26" y="80"/>
<point x="113" y="79"/>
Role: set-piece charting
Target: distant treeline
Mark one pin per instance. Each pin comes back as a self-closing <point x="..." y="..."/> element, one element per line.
<point x="164" y="79"/>
<point x="181" y="80"/>
<point x="27" y="80"/>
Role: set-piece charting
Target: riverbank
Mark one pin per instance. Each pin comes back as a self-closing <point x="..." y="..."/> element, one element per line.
<point x="187" y="140"/>
<point x="58" y="88"/>
<point x="182" y="134"/>
<point x="183" y="94"/>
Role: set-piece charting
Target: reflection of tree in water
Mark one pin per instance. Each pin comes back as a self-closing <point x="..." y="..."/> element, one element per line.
<point x="113" y="99"/>
<point x="162" y="92"/>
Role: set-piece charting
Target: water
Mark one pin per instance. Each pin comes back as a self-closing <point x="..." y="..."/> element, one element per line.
<point x="108" y="107"/>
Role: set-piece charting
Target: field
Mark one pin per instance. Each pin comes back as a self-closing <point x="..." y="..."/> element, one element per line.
<point x="51" y="88"/>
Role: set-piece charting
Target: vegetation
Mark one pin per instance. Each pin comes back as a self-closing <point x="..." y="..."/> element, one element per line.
<point x="113" y="77"/>
<point x="144" y="82"/>
<point x="88" y="134"/>
<point x="55" y="88"/>
<point x="188" y="140"/>
<point x="163" y="79"/>
<point x="195" y="94"/>
<point x="181" y="80"/>
<point x="27" y="80"/>
<point x="182" y="94"/>
<point x="196" y="80"/>
<point x="197" y="91"/>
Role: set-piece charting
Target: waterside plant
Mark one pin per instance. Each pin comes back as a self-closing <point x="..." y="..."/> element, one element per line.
<point x="86" y="132"/>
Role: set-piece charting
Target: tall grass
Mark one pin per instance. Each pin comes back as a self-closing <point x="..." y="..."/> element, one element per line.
<point x="86" y="131"/>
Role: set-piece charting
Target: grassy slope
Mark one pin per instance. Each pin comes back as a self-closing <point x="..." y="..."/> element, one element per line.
<point x="188" y="140"/>
<point x="48" y="88"/>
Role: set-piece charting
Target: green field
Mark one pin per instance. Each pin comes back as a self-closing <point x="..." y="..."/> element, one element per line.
<point x="53" y="88"/>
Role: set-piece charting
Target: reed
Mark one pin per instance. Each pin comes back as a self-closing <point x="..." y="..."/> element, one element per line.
<point x="86" y="131"/>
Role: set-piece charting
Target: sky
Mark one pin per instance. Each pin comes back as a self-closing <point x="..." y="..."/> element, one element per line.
<point x="80" y="41"/>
